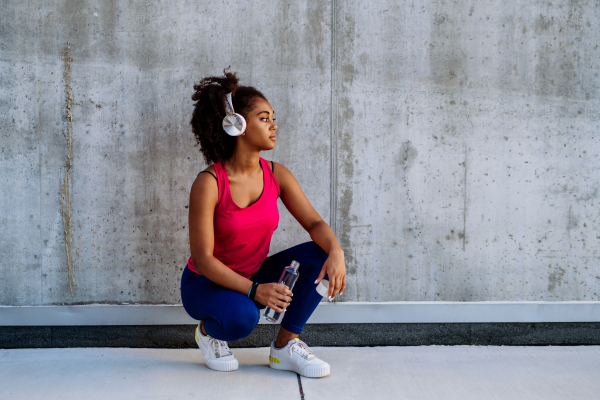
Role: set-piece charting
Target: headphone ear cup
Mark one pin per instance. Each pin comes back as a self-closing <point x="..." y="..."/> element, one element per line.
<point x="234" y="124"/>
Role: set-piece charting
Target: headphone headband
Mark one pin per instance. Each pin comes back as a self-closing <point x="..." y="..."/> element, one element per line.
<point x="230" y="103"/>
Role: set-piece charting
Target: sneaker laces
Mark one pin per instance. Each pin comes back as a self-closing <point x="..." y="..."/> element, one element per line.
<point x="302" y="348"/>
<point x="220" y="346"/>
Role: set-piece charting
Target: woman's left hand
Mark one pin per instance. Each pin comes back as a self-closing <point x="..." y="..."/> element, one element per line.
<point x="335" y="268"/>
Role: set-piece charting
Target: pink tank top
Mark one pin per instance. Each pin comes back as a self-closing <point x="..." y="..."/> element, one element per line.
<point x="243" y="235"/>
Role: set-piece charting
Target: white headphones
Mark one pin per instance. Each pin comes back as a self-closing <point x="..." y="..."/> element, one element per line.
<point x="234" y="124"/>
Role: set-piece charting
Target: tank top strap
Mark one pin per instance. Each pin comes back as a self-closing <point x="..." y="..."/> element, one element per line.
<point x="270" y="180"/>
<point x="222" y="180"/>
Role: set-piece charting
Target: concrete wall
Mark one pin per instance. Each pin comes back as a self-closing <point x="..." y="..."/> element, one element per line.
<point x="453" y="146"/>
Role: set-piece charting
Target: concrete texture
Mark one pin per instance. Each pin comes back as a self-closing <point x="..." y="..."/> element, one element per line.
<point x="467" y="149"/>
<point x="182" y="336"/>
<point x="132" y="71"/>
<point x="436" y="372"/>
<point x="452" y="146"/>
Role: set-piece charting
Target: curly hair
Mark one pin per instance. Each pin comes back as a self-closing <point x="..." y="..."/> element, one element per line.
<point x="209" y="111"/>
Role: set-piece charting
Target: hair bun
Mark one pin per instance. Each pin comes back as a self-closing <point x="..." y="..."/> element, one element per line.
<point x="230" y="81"/>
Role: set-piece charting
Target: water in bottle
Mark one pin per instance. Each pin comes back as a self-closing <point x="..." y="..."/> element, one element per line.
<point x="288" y="278"/>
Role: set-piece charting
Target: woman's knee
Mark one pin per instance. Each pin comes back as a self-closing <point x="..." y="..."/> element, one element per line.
<point x="242" y="320"/>
<point x="316" y="252"/>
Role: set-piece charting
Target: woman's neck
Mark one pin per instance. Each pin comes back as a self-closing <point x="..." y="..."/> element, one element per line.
<point x="242" y="165"/>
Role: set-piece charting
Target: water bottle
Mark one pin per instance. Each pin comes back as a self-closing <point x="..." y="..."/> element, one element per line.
<point x="288" y="278"/>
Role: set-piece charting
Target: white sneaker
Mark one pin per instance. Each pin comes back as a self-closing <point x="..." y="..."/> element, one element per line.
<point x="298" y="357"/>
<point x="216" y="352"/>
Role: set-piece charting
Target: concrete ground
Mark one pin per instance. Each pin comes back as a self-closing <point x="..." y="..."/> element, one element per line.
<point x="420" y="372"/>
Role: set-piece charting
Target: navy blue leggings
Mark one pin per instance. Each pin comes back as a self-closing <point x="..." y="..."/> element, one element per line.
<point x="229" y="315"/>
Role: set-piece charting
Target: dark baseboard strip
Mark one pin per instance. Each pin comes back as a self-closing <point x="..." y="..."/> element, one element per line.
<point x="182" y="336"/>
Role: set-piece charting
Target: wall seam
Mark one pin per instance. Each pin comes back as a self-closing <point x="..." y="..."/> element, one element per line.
<point x="39" y="132"/>
<point x="333" y="123"/>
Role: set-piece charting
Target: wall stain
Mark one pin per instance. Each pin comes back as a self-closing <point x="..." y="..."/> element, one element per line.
<point x="345" y="46"/>
<point x="343" y="34"/>
<point x="555" y="277"/>
<point x="346" y="220"/>
<point x="346" y="50"/>
<point x="561" y="71"/>
<point x="408" y="155"/>
<point x="572" y="220"/>
<point x="585" y="197"/>
<point x="447" y="55"/>
<point x="542" y="24"/>
<point x="345" y="204"/>
<point x="316" y="14"/>
<point x="464" y="232"/>
<point x="65" y="195"/>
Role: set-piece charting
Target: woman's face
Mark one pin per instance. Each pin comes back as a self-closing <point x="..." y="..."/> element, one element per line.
<point x="260" y="125"/>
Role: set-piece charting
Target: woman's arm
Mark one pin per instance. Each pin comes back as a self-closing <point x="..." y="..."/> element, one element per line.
<point x="298" y="205"/>
<point x="203" y="199"/>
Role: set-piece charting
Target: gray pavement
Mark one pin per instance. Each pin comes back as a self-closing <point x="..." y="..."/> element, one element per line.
<point x="418" y="372"/>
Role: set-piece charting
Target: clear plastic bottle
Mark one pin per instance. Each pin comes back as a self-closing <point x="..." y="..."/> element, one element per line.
<point x="288" y="278"/>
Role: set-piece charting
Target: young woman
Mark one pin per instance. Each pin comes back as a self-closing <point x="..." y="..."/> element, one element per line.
<point x="232" y="216"/>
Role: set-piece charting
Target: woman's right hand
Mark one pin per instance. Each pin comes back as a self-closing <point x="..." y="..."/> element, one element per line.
<point x="274" y="296"/>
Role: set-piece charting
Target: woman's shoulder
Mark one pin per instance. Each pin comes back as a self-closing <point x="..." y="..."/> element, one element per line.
<point x="276" y="168"/>
<point x="204" y="181"/>
<point x="283" y="176"/>
<point x="211" y="168"/>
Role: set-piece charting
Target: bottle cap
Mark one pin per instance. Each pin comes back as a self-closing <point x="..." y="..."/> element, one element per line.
<point x="295" y="264"/>
<point x="323" y="287"/>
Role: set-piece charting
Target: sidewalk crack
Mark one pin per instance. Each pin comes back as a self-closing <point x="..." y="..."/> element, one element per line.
<point x="300" y="387"/>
